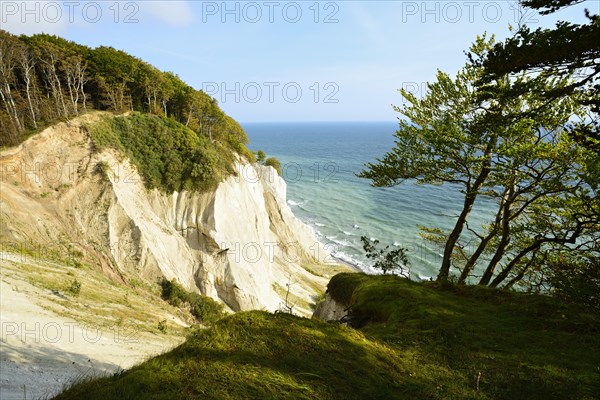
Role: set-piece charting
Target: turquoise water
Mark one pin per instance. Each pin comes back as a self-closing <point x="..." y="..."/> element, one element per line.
<point x="319" y="162"/>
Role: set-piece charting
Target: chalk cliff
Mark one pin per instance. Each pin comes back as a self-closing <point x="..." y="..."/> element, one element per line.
<point x="239" y="244"/>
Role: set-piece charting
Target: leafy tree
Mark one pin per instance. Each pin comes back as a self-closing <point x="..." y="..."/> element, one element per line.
<point x="576" y="278"/>
<point x="9" y="49"/>
<point x="439" y="142"/>
<point x="44" y="77"/>
<point x="395" y="261"/>
<point x="569" y="50"/>
<point x="260" y="156"/>
<point x="526" y="165"/>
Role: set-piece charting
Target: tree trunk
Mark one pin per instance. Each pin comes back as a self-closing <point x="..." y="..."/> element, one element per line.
<point x="534" y="247"/>
<point x="470" y="196"/>
<point x="484" y="242"/>
<point x="10" y="106"/>
<point x="27" y="66"/>
<point x="516" y="278"/>
<point x="505" y="240"/>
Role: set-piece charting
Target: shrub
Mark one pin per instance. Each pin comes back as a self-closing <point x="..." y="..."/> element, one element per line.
<point x="173" y="293"/>
<point x="260" y="156"/>
<point x="395" y="261"/>
<point x="162" y="326"/>
<point x="273" y="162"/>
<point x="203" y="308"/>
<point x="168" y="155"/>
<point x="102" y="169"/>
<point x="74" y="288"/>
<point x="576" y="280"/>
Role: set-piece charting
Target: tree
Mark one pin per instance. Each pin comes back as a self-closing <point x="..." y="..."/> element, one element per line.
<point x="576" y="277"/>
<point x="395" y="261"/>
<point x="452" y="136"/>
<point x="75" y="71"/>
<point x="569" y="50"/>
<point x="9" y="56"/>
<point x="439" y="142"/>
<point x="27" y="65"/>
<point x="260" y="156"/>
<point x="43" y="77"/>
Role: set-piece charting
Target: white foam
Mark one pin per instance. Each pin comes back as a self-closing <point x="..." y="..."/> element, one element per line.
<point x="341" y="242"/>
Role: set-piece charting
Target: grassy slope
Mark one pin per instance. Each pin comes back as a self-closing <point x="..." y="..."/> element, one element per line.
<point x="415" y="341"/>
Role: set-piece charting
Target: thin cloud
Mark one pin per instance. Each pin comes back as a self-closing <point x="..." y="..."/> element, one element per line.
<point x="178" y="13"/>
<point x="33" y="17"/>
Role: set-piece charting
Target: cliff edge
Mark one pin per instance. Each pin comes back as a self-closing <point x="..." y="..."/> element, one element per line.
<point x="239" y="244"/>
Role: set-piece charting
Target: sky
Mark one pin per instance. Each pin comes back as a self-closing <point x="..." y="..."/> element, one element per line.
<point x="274" y="61"/>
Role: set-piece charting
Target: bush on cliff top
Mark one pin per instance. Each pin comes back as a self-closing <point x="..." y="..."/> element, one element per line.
<point x="168" y="155"/>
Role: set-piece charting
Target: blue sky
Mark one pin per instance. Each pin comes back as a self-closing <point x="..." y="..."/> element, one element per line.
<point x="283" y="60"/>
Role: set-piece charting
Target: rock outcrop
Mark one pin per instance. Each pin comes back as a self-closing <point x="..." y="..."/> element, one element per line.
<point x="240" y="243"/>
<point x="330" y="310"/>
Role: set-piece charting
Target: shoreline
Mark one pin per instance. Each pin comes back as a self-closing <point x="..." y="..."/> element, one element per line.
<point x="354" y="267"/>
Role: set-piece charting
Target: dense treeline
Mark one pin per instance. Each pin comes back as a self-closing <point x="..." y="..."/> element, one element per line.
<point x="45" y="78"/>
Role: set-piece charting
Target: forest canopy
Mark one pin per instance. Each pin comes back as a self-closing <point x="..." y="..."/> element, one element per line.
<point x="44" y="79"/>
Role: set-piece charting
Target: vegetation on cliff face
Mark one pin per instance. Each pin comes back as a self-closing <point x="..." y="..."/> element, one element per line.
<point x="167" y="154"/>
<point x="412" y="341"/>
<point x="203" y="308"/>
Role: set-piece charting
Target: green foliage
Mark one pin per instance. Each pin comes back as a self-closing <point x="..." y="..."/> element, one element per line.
<point x="511" y="150"/>
<point x="203" y="308"/>
<point x="248" y="155"/>
<point x="576" y="279"/>
<point x="173" y="293"/>
<point x="74" y="288"/>
<point x="569" y="50"/>
<point x="52" y="79"/>
<point x="341" y="287"/>
<point x="162" y="326"/>
<point x="168" y="155"/>
<point x="261" y="158"/>
<point x="416" y="341"/>
<point x="523" y="345"/>
<point x="102" y="169"/>
<point x="395" y="261"/>
<point x="273" y="162"/>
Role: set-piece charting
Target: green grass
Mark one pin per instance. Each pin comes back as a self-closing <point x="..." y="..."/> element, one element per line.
<point x="412" y="341"/>
<point x="525" y="346"/>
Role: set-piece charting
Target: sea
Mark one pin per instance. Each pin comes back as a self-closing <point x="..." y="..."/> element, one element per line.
<point x="320" y="161"/>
